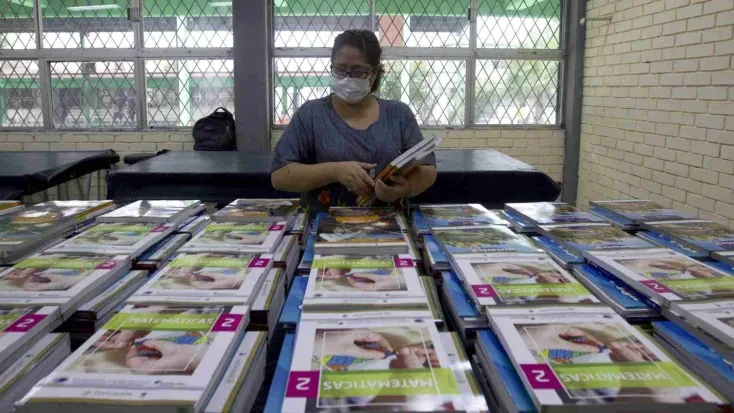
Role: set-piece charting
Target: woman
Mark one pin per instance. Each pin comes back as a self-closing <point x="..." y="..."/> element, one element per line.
<point x="334" y="145"/>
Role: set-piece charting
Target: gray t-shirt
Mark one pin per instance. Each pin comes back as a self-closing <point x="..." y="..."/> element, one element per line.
<point x="317" y="134"/>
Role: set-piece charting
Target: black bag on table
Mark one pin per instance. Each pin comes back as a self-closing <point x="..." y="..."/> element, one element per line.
<point x="215" y="132"/>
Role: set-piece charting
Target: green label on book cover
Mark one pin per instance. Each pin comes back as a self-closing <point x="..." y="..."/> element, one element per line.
<point x="148" y="321"/>
<point x="198" y="261"/>
<point x="525" y="290"/>
<point x="346" y="263"/>
<point x="720" y="284"/>
<point x="122" y="228"/>
<point x="8" y="319"/>
<point x="623" y="375"/>
<point x="66" y="262"/>
<point x="402" y="382"/>
<point x="238" y="227"/>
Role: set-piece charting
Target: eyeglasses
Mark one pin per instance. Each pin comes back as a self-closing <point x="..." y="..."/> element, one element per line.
<point x="341" y="73"/>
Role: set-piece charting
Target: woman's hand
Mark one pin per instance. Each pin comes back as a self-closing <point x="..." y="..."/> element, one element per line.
<point x="173" y="356"/>
<point x="373" y="282"/>
<point x="354" y="176"/>
<point x="361" y="343"/>
<point x="391" y="193"/>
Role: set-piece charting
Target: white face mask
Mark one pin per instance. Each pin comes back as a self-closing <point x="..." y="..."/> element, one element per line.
<point x="349" y="89"/>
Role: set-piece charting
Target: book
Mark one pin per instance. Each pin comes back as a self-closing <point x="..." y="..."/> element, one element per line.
<point x="301" y="227"/>
<point x="518" y="223"/>
<point x="7" y="207"/>
<point x="376" y="217"/>
<point x="638" y="211"/>
<point x="431" y="293"/>
<point x="163" y="358"/>
<point x="696" y="356"/>
<point x="339" y="236"/>
<point x="716" y="318"/>
<point x="155" y="212"/>
<point x="595" y="361"/>
<point x="21" y="326"/>
<point x="699" y="235"/>
<point x="287" y="252"/>
<point x="390" y="364"/>
<point x="160" y="253"/>
<point x="617" y="221"/>
<point x="460" y="215"/>
<point x="237" y="390"/>
<point x="581" y="238"/>
<point x="259" y="210"/>
<point x="460" y="307"/>
<point x="520" y="280"/>
<point x="115" y="238"/>
<point x="63" y="280"/>
<point x="259" y="237"/>
<point x="219" y="278"/>
<point x="437" y="260"/>
<point x="469" y="390"/>
<point x="665" y="241"/>
<point x="276" y="394"/>
<point x="724" y="256"/>
<point x="558" y="252"/>
<point x="291" y="314"/>
<point x="193" y="225"/>
<point x="36" y="362"/>
<point x="480" y="240"/>
<point x="268" y="303"/>
<point x="550" y="213"/>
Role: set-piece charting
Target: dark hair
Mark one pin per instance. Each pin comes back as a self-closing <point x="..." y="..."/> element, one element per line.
<point x="367" y="43"/>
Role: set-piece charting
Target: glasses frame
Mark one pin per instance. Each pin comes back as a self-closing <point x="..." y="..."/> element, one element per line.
<point x="349" y="73"/>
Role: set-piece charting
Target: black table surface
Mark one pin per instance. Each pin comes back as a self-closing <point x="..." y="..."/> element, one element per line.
<point x="24" y="173"/>
<point x="483" y="176"/>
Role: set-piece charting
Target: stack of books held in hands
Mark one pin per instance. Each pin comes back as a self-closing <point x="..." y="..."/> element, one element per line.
<point x="630" y="214"/>
<point x="705" y="237"/>
<point x="33" y="229"/>
<point x="260" y="210"/>
<point x="154" y="212"/>
<point x="362" y="231"/>
<point x="7" y="207"/>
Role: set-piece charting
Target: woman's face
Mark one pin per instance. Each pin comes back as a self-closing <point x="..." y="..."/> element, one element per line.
<point x="351" y="59"/>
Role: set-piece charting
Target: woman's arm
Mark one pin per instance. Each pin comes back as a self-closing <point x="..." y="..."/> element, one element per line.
<point x="298" y="177"/>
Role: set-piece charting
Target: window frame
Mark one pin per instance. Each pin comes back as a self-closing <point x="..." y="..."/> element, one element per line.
<point x="137" y="54"/>
<point x="470" y="55"/>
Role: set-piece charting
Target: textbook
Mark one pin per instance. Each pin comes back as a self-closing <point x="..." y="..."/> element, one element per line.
<point x="268" y="303"/>
<point x="37" y="360"/>
<point x="375" y="217"/>
<point x="630" y="304"/>
<point x="550" y="213"/>
<point x="193" y="225"/>
<point x="158" y="255"/>
<point x="558" y="252"/>
<point x="301" y="227"/>
<point x="520" y="280"/>
<point x="155" y="212"/>
<point x="469" y="390"/>
<point x="699" y="235"/>
<point x="237" y="391"/>
<point x="437" y="260"/>
<point x="147" y="358"/>
<point x="665" y="241"/>
<point x="429" y="289"/>
<point x="219" y="278"/>
<point x="639" y="211"/>
<point x="381" y="236"/>
<point x="259" y="210"/>
<point x="460" y="215"/>
<point x="460" y="307"/>
<point x="596" y="362"/>
<point x="712" y="322"/>
<point x="119" y="238"/>
<point x="480" y="240"/>
<point x="63" y="280"/>
<point x="724" y="256"/>
<point x="390" y="365"/>
<point x="581" y="238"/>
<point x="21" y="326"/>
<point x="696" y="356"/>
<point x="7" y="207"/>
<point x="518" y="223"/>
<point x="258" y="237"/>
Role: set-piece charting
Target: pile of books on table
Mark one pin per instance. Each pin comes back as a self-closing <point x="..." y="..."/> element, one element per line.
<point x="7" y="207"/>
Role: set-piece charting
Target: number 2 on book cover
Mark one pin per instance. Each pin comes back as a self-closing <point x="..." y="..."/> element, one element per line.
<point x="655" y="286"/>
<point x="541" y="377"/>
<point x="303" y="384"/>
<point x="25" y="323"/>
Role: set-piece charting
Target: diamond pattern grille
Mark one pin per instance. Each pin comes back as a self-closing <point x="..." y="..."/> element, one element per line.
<point x="20" y="102"/>
<point x="192" y="23"/>
<point x="179" y="92"/>
<point x="316" y="23"/>
<point x="17" y="29"/>
<point x="93" y="94"/>
<point x="519" y="24"/>
<point x="77" y="24"/>
<point x="423" y="23"/>
<point x="297" y="80"/>
<point x="516" y="92"/>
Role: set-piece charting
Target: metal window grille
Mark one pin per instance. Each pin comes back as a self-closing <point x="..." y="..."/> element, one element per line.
<point x="456" y="63"/>
<point x="128" y="64"/>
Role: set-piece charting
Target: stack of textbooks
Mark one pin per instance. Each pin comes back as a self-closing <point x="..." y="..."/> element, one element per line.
<point x="193" y="225"/>
<point x="130" y="239"/>
<point x="268" y="304"/>
<point x="154" y="212"/>
<point x="7" y="207"/>
<point x="430" y="217"/>
<point x="146" y="358"/>
<point x="257" y="237"/>
<point x="21" y="327"/>
<point x="259" y="210"/>
<point x="362" y="231"/>
<point x="33" y="229"/>
<point x="461" y="308"/>
<point x="630" y="214"/>
<point x="286" y="256"/>
<point x="579" y="238"/>
<point x="706" y="237"/>
<point x="482" y="240"/>
<point x="159" y="254"/>
<point x="549" y="213"/>
<point x="301" y="227"/>
<point x="700" y="298"/>
<point x="697" y="357"/>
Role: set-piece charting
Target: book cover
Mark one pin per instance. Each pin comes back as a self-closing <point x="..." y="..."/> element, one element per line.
<point x="115" y="238"/>
<point x="470" y="393"/>
<point x="638" y="211"/>
<point x="377" y="217"/>
<point x="207" y="278"/>
<point x="558" y="252"/>
<point x="19" y="325"/>
<point x="113" y="295"/>
<point x="581" y="238"/>
<point x="724" y="256"/>
<point x="520" y="280"/>
<point x="701" y="235"/>
<point x="570" y="360"/>
<point x="147" y="357"/>
<point x="391" y="364"/>
<point x="260" y="237"/>
<point x="460" y="215"/>
<point x="333" y="234"/>
<point x="193" y="225"/>
<point x="518" y="223"/>
<point x="716" y="318"/>
<point x="158" y="255"/>
<point x="152" y="211"/>
<point x="257" y="210"/>
<point x="614" y="292"/>
<point x="492" y="239"/>
<point x="549" y="213"/>
<point x="666" y="242"/>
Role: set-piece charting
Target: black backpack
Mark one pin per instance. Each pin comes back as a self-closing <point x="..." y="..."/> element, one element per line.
<point x="215" y="132"/>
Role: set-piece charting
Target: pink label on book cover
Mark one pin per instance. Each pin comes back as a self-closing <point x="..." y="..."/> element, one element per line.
<point x="107" y="265"/>
<point x="276" y="227"/>
<point x="484" y="291"/>
<point x="160" y="228"/>
<point x="541" y="377"/>
<point x="25" y="323"/>
<point x="656" y="286"/>
<point x="304" y="384"/>
<point x="403" y="263"/>
<point x="227" y="323"/>
<point x="259" y="263"/>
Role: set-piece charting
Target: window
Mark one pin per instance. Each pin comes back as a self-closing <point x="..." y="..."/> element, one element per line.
<point x="456" y="63"/>
<point x="127" y="64"/>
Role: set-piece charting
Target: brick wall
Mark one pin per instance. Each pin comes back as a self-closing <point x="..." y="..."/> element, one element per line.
<point x="658" y="108"/>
